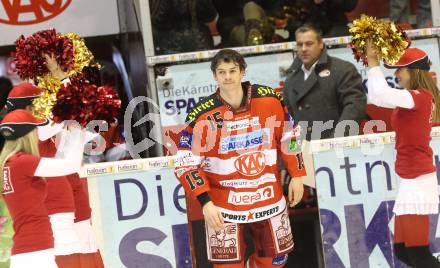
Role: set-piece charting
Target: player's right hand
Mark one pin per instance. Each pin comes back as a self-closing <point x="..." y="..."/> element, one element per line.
<point x="213" y="216"/>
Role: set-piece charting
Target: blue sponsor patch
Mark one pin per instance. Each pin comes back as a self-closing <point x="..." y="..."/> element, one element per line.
<point x="280" y="260"/>
<point x="185" y="140"/>
<point x="289" y="119"/>
<point x="244" y="141"/>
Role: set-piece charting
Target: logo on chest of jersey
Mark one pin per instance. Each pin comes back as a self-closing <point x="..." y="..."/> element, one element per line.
<point x="237" y="125"/>
<point x="249" y="183"/>
<point x="244" y="141"/>
<point x="7" y="184"/>
<point x="242" y="124"/>
<point x="249" y="198"/>
<point x="250" y="164"/>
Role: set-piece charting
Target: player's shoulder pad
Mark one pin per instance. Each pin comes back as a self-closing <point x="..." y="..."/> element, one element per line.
<point x="260" y="91"/>
<point x="206" y="104"/>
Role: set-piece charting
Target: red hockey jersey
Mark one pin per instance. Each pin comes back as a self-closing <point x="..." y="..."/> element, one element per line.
<point x="25" y="196"/>
<point x="233" y="154"/>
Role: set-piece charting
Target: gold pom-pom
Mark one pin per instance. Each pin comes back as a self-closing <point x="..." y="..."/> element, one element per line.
<point x="42" y="106"/>
<point x="82" y="56"/>
<point x="389" y="41"/>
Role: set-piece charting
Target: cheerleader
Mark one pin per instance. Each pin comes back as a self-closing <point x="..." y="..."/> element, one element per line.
<point x="415" y="108"/>
<point x="59" y="201"/>
<point x="24" y="182"/>
<point x="85" y="251"/>
<point x="89" y="256"/>
<point x="67" y="201"/>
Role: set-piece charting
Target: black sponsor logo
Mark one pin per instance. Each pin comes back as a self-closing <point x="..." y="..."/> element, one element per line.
<point x="266" y="213"/>
<point x="232" y="217"/>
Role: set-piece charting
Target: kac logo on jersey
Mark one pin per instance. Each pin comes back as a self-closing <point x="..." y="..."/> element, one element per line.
<point x="41" y="10"/>
<point x="244" y="141"/>
<point x="7" y="184"/>
<point x="250" y="164"/>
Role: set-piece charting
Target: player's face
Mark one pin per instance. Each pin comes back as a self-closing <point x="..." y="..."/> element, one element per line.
<point x="308" y="47"/>
<point x="228" y="76"/>
<point x="404" y="77"/>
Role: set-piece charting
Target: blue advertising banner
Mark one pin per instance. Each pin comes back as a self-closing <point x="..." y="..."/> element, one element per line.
<point x="139" y="216"/>
<point x="139" y="209"/>
<point x="356" y="188"/>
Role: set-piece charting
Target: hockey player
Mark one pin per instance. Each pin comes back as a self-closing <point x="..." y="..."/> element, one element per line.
<point x="228" y="160"/>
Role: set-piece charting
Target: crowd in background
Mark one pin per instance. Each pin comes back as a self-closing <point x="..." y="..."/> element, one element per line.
<point x="229" y="23"/>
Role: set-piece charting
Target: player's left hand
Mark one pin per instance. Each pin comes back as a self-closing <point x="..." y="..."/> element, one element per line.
<point x="296" y="190"/>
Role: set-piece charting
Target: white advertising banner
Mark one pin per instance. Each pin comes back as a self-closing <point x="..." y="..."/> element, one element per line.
<point x="139" y="208"/>
<point x="183" y="85"/>
<point x="139" y="213"/>
<point x="356" y="188"/>
<point x="86" y="18"/>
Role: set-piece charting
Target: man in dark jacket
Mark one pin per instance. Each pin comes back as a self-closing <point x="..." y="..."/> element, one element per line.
<point x="323" y="94"/>
<point x="322" y="88"/>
